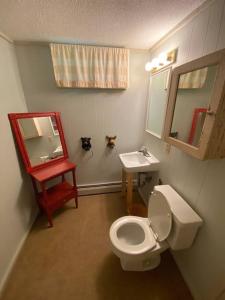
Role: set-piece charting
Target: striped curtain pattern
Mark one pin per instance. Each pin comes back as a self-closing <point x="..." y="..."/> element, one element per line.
<point x="193" y="80"/>
<point x="78" y="66"/>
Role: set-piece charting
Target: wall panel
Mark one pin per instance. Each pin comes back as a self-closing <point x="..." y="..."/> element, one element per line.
<point x="200" y="183"/>
<point x="89" y="112"/>
<point x="17" y="205"/>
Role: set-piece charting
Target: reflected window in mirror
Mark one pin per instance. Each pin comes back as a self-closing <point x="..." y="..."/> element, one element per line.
<point x="193" y="97"/>
<point x="157" y="102"/>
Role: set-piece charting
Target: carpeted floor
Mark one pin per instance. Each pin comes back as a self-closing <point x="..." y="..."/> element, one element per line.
<point x="73" y="260"/>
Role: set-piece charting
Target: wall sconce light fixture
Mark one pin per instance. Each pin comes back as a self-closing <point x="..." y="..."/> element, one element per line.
<point x="164" y="59"/>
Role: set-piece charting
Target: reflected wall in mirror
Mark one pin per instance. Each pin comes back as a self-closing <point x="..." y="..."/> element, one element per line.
<point x="40" y="138"/>
<point x="157" y="103"/>
<point x="192" y="103"/>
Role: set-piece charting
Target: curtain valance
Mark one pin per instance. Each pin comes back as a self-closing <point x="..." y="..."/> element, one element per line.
<point x="78" y="66"/>
<point x="193" y="80"/>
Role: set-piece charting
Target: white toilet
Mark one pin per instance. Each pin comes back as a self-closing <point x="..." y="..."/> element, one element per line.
<point x="171" y="223"/>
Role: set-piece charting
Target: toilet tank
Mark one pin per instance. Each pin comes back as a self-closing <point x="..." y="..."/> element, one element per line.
<point x="185" y="220"/>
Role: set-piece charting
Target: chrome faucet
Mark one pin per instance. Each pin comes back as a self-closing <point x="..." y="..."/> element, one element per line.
<point x="144" y="150"/>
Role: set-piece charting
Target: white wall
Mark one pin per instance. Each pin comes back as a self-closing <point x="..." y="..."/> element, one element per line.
<point x="17" y="206"/>
<point x="89" y="112"/>
<point x="202" y="184"/>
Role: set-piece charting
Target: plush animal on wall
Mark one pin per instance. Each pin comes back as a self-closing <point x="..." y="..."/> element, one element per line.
<point x="86" y="143"/>
<point x="111" y="141"/>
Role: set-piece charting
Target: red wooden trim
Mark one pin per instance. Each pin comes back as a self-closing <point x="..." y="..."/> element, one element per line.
<point x="34" y="186"/>
<point x="197" y="111"/>
<point x="13" y="117"/>
<point x="61" y="134"/>
<point x="31" y="115"/>
<point x="20" y="142"/>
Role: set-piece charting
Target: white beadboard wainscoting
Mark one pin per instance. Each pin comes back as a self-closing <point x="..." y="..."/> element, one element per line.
<point x="200" y="183"/>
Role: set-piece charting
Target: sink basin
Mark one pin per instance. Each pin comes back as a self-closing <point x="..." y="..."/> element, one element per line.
<point x="137" y="162"/>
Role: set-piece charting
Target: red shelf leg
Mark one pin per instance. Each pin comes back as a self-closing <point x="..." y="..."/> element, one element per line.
<point x="47" y="211"/>
<point x="75" y="188"/>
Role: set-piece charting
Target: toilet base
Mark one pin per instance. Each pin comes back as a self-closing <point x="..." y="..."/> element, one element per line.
<point x="140" y="265"/>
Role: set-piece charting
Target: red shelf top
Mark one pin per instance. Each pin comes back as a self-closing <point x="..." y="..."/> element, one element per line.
<point x="52" y="171"/>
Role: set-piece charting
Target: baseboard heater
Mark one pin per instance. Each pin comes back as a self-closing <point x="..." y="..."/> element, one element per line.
<point x="100" y="188"/>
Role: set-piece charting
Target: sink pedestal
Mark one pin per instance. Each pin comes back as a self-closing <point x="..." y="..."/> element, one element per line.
<point x="135" y="162"/>
<point x="127" y="189"/>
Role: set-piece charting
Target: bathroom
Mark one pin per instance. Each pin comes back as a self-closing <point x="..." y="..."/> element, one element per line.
<point x="28" y="85"/>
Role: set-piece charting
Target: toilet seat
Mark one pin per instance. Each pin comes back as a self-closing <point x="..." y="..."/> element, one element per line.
<point x="135" y="235"/>
<point x="132" y="235"/>
<point x="159" y="215"/>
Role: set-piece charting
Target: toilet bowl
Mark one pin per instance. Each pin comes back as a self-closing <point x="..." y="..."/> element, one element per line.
<point x="139" y="241"/>
<point x="133" y="241"/>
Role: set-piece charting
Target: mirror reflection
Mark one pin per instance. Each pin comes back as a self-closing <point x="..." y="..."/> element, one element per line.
<point x="41" y="139"/>
<point x="158" y="96"/>
<point x="192" y="103"/>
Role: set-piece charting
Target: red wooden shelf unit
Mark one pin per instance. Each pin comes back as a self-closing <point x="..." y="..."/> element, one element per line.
<point x="49" y="199"/>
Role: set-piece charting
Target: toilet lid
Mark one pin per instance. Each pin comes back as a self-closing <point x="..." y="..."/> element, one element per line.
<point x="159" y="215"/>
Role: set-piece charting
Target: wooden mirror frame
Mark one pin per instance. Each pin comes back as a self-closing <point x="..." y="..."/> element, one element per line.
<point x="218" y="93"/>
<point x="14" y="117"/>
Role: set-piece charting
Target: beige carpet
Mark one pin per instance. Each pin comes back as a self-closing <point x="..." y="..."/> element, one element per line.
<point x="73" y="260"/>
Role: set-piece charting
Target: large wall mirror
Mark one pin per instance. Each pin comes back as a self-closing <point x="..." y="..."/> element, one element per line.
<point x="157" y="102"/>
<point x="40" y="138"/>
<point x="194" y="117"/>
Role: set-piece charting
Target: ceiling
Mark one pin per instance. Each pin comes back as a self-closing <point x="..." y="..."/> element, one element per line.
<point x="128" y="23"/>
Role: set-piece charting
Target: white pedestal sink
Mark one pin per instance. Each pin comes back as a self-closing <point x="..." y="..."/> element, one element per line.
<point x="136" y="162"/>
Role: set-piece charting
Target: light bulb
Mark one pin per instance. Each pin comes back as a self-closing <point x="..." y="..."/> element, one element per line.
<point x="148" y="66"/>
<point x="163" y="58"/>
<point x="155" y="62"/>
